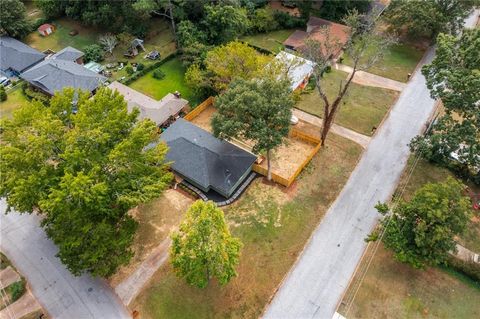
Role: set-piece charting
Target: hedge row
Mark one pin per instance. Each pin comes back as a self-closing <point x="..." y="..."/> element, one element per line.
<point x="147" y="69"/>
<point x="468" y="268"/>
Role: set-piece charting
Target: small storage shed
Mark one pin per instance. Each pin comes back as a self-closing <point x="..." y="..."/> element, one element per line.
<point x="46" y="29"/>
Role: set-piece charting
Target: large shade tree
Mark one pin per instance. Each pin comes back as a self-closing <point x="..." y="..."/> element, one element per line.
<point x="225" y="63"/>
<point x="454" y="77"/>
<point x="258" y="110"/>
<point x="12" y="19"/>
<point x="421" y="232"/>
<point x="365" y="47"/>
<point x="203" y="247"/>
<point x="82" y="171"/>
<point x="429" y="17"/>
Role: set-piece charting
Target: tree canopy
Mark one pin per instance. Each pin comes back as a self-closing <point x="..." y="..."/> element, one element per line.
<point x="336" y="10"/>
<point x="454" y="77"/>
<point x="83" y="168"/>
<point x="258" y="110"/>
<point x="224" y="63"/>
<point x="366" y="47"/>
<point x="225" y="22"/>
<point x="12" y="19"/>
<point x="421" y="232"/>
<point x="203" y="247"/>
<point x="429" y="17"/>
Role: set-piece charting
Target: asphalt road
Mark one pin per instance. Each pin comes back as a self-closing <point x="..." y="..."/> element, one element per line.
<point x="315" y="285"/>
<point x="58" y="291"/>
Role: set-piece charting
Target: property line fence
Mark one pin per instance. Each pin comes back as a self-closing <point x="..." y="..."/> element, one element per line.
<point x="282" y="180"/>
<point x="199" y="109"/>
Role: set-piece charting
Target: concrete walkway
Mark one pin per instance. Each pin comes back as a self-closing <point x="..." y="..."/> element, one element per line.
<point x="8" y="276"/>
<point x="358" y="138"/>
<point x="27" y="304"/>
<point x="466" y="254"/>
<point x="369" y="79"/>
<point x="128" y="289"/>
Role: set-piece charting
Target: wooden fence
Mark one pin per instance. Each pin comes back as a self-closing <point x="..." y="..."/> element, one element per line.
<point x="285" y="181"/>
<point x="199" y="109"/>
<point x="288" y="181"/>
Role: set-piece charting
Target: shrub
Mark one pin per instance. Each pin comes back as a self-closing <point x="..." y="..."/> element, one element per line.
<point x="287" y="21"/>
<point x="35" y="95"/>
<point x="129" y="70"/>
<point x="94" y="53"/>
<point x="17" y="289"/>
<point x="140" y="67"/>
<point x="264" y="20"/>
<point x="469" y="269"/>
<point x="158" y="74"/>
<point x="3" y="94"/>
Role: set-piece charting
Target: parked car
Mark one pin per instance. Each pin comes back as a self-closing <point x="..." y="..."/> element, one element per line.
<point x="4" y="81"/>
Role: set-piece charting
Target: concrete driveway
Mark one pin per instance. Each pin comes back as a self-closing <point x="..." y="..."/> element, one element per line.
<point x="58" y="291"/>
<point x="315" y="285"/>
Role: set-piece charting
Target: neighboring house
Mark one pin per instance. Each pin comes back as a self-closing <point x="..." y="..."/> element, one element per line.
<point x="63" y="69"/>
<point x="338" y="32"/>
<point x="159" y="112"/>
<point x="204" y="161"/>
<point x="69" y="54"/>
<point x="16" y="56"/>
<point x="298" y="69"/>
<point x="46" y="29"/>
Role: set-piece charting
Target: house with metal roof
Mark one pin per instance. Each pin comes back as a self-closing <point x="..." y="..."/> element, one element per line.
<point x="298" y="69"/>
<point x="205" y="161"/>
<point x="16" y="56"/>
<point x="158" y="111"/>
<point x="61" y="70"/>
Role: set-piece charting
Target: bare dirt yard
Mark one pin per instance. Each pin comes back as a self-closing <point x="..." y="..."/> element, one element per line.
<point x="156" y="220"/>
<point x="286" y="159"/>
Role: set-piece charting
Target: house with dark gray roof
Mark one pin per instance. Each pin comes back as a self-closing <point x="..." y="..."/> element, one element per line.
<point x="205" y="161"/>
<point x="62" y="70"/>
<point x="69" y="54"/>
<point x="16" y="56"/>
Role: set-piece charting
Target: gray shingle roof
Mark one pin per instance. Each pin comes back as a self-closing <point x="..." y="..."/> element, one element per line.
<point x="68" y="54"/>
<point x="53" y="75"/>
<point x="17" y="55"/>
<point x="208" y="162"/>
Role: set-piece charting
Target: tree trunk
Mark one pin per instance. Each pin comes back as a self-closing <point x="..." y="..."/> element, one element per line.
<point x="170" y="8"/>
<point x="332" y="109"/>
<point x="269" y="171"/>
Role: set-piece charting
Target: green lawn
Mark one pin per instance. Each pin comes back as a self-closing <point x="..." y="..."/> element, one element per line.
<point x="398" y="62"/>
<point x="159" y="38"/>
<point x="395" y="290"/>
<point x="15" y="100"/>
<point x="173" y="81"/>
<point x="363" y="108"/>
<point x="274" y="224"/>
<point x="271" y="41"/>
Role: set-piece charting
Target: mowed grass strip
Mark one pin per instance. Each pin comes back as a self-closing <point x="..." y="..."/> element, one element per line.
<point x="271" y="41"/>
<point x="362" y="109"/>
<point x="399" y="60"/>
<point x="174" y="80"/>
<point x="395" y="290"/>
<point x="274" y="225"/>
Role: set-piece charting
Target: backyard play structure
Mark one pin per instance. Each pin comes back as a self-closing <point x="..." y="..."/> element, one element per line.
<point x="283" y="177"/>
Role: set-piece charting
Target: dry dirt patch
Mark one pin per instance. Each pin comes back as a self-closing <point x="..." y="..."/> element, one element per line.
<point x="156" y="220"/>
